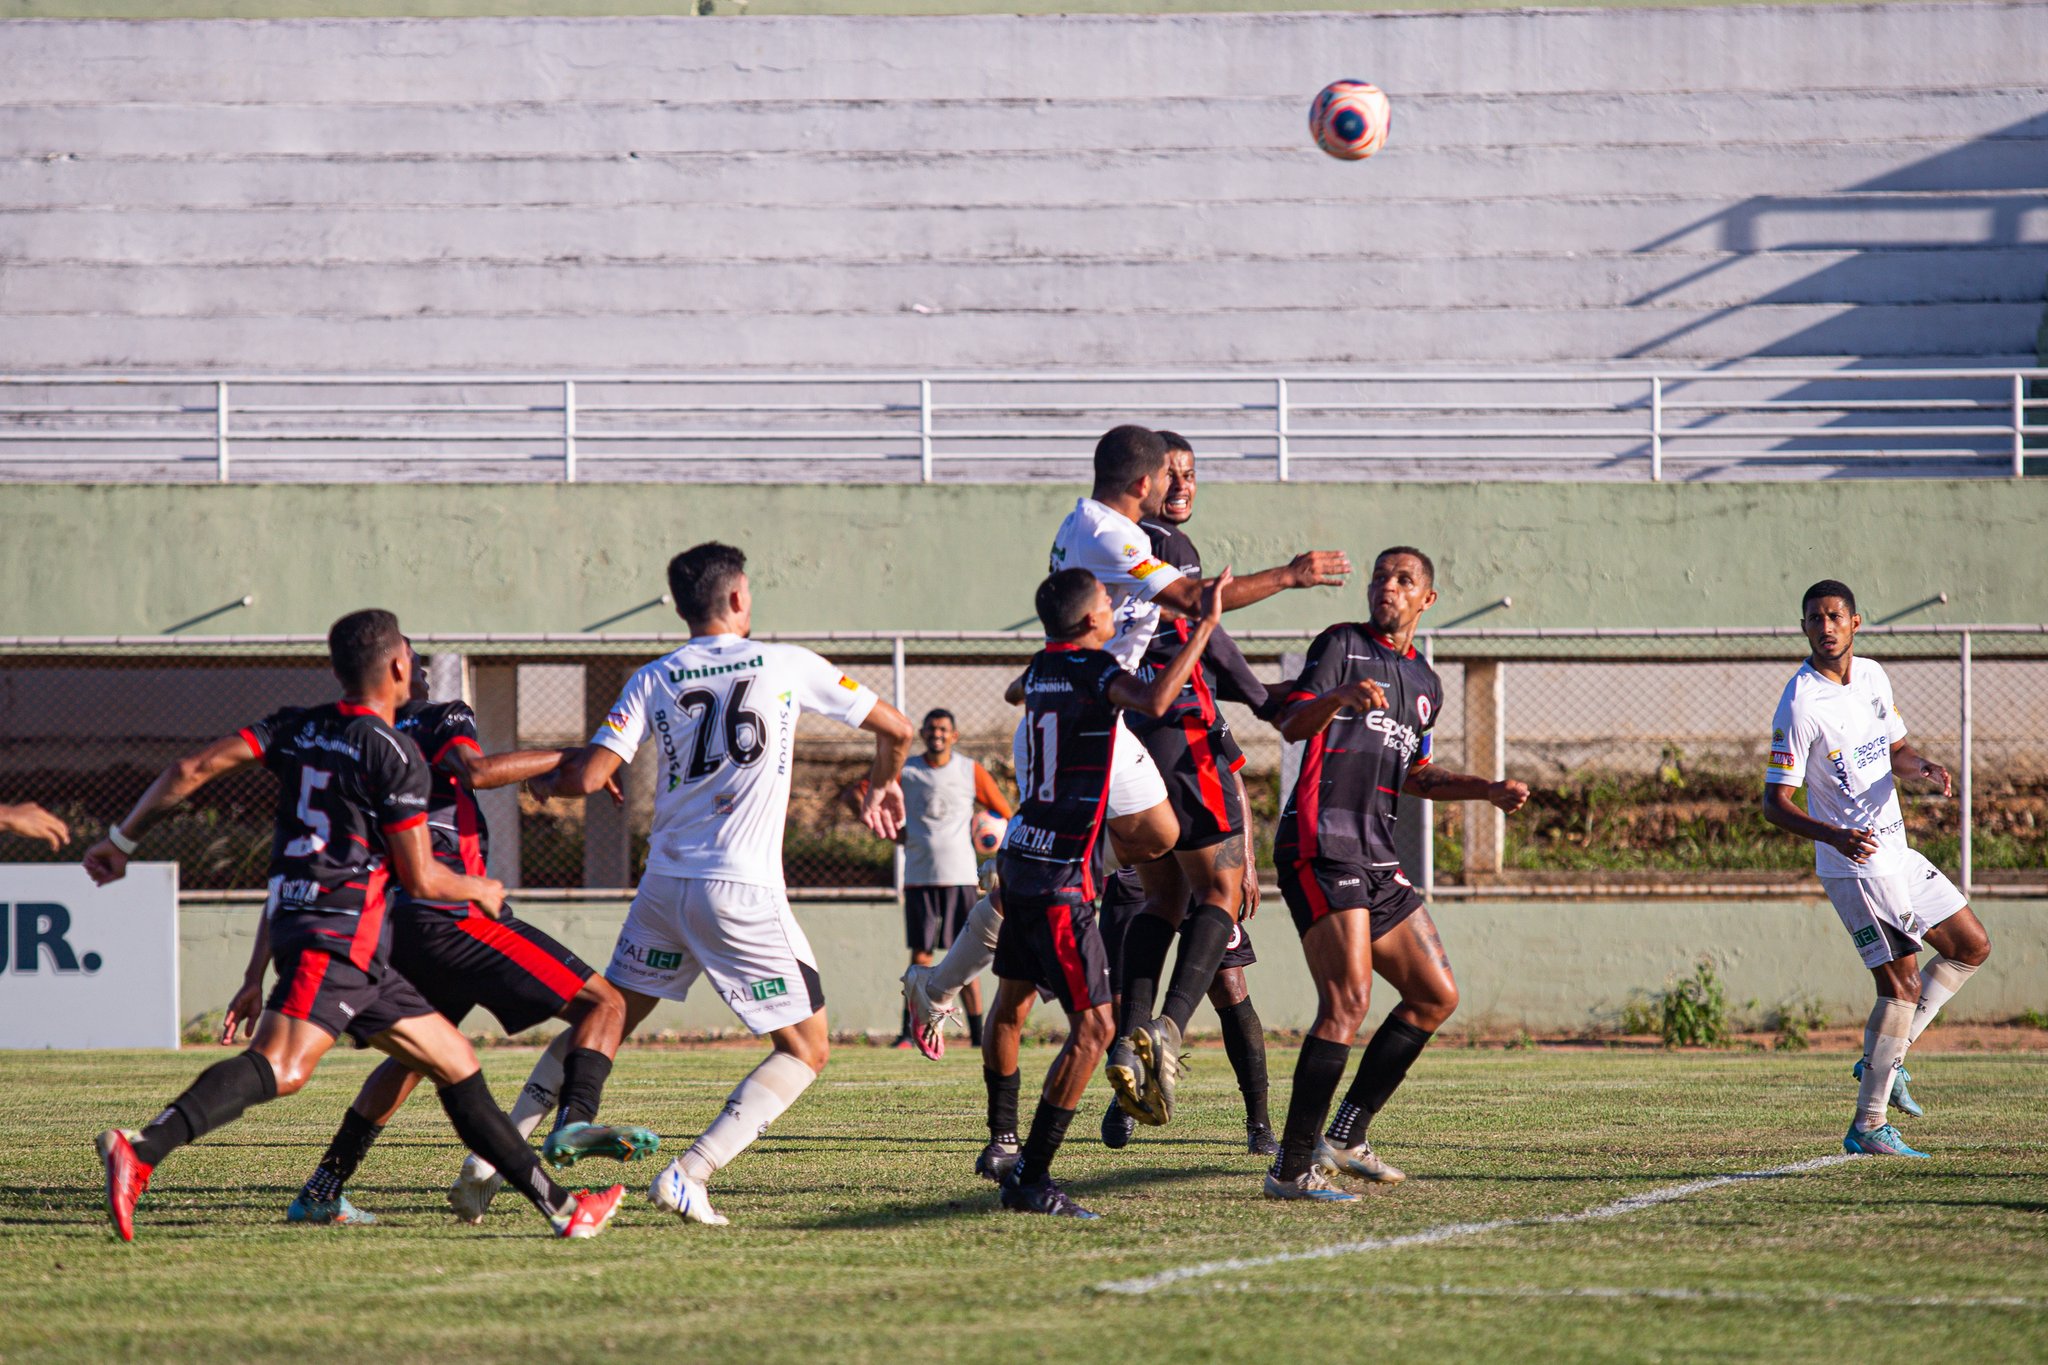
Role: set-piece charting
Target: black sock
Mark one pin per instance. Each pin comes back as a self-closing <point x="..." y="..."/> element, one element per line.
<point x="1316" y="1075"/>
<point x="584" y="1072"/>
<point x="351" y="1143"/>
<point x="1395" y="1045"/>
<point x="974" y="1030"/>
<point x="1204" y="938"/>
<point x="1002" y="1106"/>
<point x="485" y="1130"/>
<point x="1048" y="1131"/>
<point x="1244" y="1042"/>
<point x="1146" y="944"/>
<point x="218" y="1097"/>
<point x="903" y="1030"/>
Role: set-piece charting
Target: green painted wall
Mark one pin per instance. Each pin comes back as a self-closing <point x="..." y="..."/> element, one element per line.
<point x="1545" y="966"/>
<point x="136" y="559"/>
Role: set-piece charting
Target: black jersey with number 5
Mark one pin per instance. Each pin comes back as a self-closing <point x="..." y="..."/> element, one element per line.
<point x="345" y="780"/>
<point x="1345" y="802"/>
<point x="1069" y="739"/>
<point x="455" y="823"/>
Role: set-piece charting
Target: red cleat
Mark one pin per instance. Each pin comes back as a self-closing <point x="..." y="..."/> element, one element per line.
<point x="127" y="1178"/>
<point x="590" y="1215"/>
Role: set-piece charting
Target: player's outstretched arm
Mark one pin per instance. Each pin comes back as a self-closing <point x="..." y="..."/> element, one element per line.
<point x="412" y="863"/>
<point x="105" y="861"/>
<point x="592" y="768"/>
<point x="1854" y="844"/>
<point x="1432" y="783"/>
<point x="1314" y="569"/>
<point x="484" y="772"/>
<point x="1156" y="697"/>
<point x="881" y="807"/>
<point x="33" y="822"/>
<point x="1910" y="765"/>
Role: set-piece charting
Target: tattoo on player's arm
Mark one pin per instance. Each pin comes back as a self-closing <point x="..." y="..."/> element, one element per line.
<point x="1230" y="853"/>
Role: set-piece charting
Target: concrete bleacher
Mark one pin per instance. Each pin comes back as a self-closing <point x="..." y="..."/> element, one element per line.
<point x="960" y="193"/>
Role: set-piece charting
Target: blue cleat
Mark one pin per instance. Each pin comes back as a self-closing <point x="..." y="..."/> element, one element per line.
<point x="335" y="1212"/>
<point x="1881" y="1141"/>
<point x="622" y="1142"/>
<point x="1900" y="1099"/>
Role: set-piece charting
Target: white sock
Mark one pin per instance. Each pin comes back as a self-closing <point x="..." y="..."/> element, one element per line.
<point x="1887" y="1031"/>
<point x="536" y="1099"/>
<point x="974" y="948"/>
<point x="755" y="1103"/>
<point x="1939" y="981"/>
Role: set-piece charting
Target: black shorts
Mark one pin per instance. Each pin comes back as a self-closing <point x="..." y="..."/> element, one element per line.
<point x="1123" y="900"/>
<point x="461" y="960"/>
<point x="1055" y="943"/>
<point x="932" y="915"/>
<point x="328" y="990"/>
<point x="1314" y="887"/>
<point x="1199" y="762"/>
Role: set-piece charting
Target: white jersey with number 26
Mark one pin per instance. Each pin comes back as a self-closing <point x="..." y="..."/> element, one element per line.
<point x="721" y="716"/>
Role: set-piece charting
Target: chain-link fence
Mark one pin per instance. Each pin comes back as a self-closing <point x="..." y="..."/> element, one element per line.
<point x="1645" y="751"/>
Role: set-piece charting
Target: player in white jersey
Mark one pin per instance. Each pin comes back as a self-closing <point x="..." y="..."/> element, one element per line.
<point x="718" y="717"/>
<point x="1102" y="535"/>
<point x="1839" y="734"/>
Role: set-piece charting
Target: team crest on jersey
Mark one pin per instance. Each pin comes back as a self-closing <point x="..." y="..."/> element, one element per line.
<point x="1422" y="709"/>
<point x="725" y="803"/>
<point x="1777" y="737"/>
<point x="1877" y="706"/>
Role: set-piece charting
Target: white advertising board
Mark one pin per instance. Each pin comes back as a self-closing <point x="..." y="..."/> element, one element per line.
<point x="84" y="965"/>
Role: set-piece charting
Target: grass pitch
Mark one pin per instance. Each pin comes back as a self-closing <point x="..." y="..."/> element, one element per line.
<point x="859" y="1233"/>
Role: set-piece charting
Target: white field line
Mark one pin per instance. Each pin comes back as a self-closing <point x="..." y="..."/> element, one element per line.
<point x="1634" y="1203"/>
<point x="1816" y="1298"/>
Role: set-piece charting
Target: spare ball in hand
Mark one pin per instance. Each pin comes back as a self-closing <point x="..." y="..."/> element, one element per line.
<point x="1349" y="119"/>
<point x="988" y="833"/>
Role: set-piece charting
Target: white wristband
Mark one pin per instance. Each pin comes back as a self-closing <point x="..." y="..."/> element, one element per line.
<point x="118" y="839"/>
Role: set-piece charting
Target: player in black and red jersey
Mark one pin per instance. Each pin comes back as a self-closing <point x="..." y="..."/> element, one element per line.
<point x="1199" y="758"/>
<point x="351" y="817"/>
<point x="459" y="957"/>
<point x="1073" y="690"/>
<point x="1364" y="706"/>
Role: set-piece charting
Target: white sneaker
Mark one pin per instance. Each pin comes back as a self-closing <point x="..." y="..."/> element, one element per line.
<point x="686" y="1198"/>
<point x="1359" y="1161"/>
<point x="471" y="1194"/>
<point x="928" y="1015"/>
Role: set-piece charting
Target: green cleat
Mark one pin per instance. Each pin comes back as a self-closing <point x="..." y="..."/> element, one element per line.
<point x="572" y="1142"/>
<point x="336" y="1212"/>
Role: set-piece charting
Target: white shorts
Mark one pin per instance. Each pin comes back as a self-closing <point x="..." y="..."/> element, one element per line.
<point x="1134" y="780"/>
<point x="1888" y="917"/>
<point x="740" y="935"/>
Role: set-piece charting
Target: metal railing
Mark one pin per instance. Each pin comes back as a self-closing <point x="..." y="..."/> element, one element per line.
<point x="1562" y="424"/>
<point x="1662" y="720"/>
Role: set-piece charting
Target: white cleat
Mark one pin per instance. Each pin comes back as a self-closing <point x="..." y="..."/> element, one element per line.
<point x="687" y="1199"/>
<point x="928" y="1015"/>
<point x="1360" y="1161"/>
<point x="471" y="1194"/>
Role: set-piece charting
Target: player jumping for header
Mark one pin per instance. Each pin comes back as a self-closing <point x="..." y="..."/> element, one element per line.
<point x="723" y="711"/>
<point x="351" y="814"/>
<point x="1364" y="706"/>
<point x="1838" y="732"/>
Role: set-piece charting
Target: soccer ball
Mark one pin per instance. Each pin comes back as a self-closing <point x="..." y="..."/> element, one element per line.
<point x="988" y="833"/>
<point x="1350" y="119"/>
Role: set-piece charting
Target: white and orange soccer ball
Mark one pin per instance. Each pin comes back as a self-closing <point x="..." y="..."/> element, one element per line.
<point x="1350" y="119"/>
<point x="988" y="830"/>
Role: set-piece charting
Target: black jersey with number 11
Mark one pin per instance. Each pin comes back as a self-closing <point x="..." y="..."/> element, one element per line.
<point x="345" y="781"/>
<point x="1069" y="738"/>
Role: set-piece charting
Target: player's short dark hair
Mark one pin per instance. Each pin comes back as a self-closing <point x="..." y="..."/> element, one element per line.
<point x="1063" y="600"/>
<point x="1828" y="587"/>
<point x="1127" y="454"/>
<point x="700" y="578"/>
<point x="938" y="713"/>
<point x="1428" y="564"/>
<point x="359" y="644"/>
<point x="1175" y="441"/>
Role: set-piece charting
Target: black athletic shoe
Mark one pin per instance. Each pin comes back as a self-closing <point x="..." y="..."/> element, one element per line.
<point x="1117" y="1127"/>
<point x="1259" y="1140"/>
<point x="1040" y="1196"/>
<point x="996" y="1161"/>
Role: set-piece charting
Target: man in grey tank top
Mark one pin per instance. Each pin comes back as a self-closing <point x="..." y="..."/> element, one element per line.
<point x="941" y="791"/>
